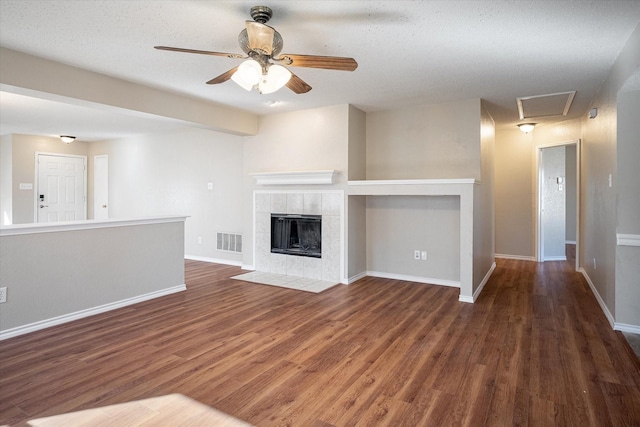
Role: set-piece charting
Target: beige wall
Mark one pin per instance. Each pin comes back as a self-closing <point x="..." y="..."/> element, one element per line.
<point x="399" y="225"/>
<point x="24" y="148"/>
<point x="628" y="203"/>
<point x="433" y="141"/>
<point x="357" y="144"/>
<point x="168" y="174"/>
<point x="484" y="204"/>
<point x="514" y="198"/>
<point x="599" y="201"/>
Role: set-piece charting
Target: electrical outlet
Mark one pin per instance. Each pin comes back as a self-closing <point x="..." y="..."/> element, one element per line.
<point x="416" y="254"/>
<point x="594" y="264"/>
<point x="424" y="255"/>
<point x="199" y="240"/>
<point x="3" y="295"/>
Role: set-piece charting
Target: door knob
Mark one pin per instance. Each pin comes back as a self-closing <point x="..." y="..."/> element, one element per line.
<point x="44" y="206"/>
<point x="104" y="206"/>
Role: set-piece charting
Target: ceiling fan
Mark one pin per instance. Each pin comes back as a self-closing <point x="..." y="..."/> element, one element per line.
<point x="264" y="65"/>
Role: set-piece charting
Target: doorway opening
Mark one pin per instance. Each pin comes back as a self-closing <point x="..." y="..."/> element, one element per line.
<point x="558" y="202"/>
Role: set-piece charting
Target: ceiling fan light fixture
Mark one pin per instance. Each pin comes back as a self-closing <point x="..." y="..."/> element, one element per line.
<point x="67" y="139"/>
<point x="526" y="127"/>
<point x="277" y="76"/>
<point x="248" y="74"/>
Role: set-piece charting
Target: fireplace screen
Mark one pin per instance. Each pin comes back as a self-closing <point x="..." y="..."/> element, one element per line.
<point x="296" y="235"/>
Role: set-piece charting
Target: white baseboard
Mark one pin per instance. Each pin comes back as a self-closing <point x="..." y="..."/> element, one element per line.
<point x="516" y="257"/>
<point x="624" y="327"/>
<point x="603" y="306"/>
<point x="213" y="260"/>
<point x="58" y="320"/>
<point x="248" y="267"/>
<point x="570" y="242"/>
<point x="427" y="280"/>
<point x="486" y="278"/>
<point x="556" y="258"/>
<point x="358" y="276"/>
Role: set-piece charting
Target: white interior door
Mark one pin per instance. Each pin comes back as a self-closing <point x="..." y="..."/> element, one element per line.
<point x="61" y="192"/>
<point x="101" y="187"/>
<point x="553" y="203"/>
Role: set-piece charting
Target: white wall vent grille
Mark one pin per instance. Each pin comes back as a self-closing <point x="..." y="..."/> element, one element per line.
<point x="229" y="242"/>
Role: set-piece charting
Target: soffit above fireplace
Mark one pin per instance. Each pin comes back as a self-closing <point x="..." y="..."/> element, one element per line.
<point x="295" y="177"/>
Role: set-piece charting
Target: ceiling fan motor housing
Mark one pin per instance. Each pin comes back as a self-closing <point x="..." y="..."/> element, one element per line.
<point x="261" y="14"/>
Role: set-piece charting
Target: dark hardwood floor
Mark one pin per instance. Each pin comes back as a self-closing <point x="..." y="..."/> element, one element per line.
<point x="535" y="349"/>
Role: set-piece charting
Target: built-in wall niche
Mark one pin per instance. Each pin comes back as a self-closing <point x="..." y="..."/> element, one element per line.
<point x="464" y="191"/>
<point x="397" y="226"/>
<point x="325" y="205"/>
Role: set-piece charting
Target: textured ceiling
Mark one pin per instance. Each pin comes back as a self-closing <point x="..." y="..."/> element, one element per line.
<point x="409" y="52"/>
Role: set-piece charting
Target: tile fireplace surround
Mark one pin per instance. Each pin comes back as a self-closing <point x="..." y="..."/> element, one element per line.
<point x="329" y="204"/>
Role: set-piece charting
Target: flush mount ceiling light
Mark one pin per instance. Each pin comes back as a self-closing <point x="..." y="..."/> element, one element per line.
<point x="67" y="139"/>
<point x="526" y="127"/>
<point x="264" y="63"/>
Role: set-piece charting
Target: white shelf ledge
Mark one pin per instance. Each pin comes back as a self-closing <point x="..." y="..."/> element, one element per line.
<point x="417" y="187"/>
<point x="295" y="177"/>
<point x="55" y="227"/>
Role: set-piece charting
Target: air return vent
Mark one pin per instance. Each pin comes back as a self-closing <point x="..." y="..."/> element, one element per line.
<point x="229" y="242"/>
<point x="554" y="104"/>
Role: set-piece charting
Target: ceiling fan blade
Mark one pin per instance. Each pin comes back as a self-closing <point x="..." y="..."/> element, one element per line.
<point x="313" y="61"/>
<point x="201" y="52"/>
<point x="260" y="37"/>
<point x="223" y="77"/>
<point x="297" y="85"/>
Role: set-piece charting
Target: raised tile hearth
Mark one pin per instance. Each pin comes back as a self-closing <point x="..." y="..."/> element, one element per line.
<point x="285" y="281"/>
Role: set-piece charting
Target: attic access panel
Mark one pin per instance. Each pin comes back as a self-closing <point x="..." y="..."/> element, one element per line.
<point x="554" y="104"/>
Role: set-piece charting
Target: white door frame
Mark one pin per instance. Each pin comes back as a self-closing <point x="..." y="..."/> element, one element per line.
<point x="37" y="182"/>
<point x="97" y="205"/>
<point x="538" y="199"/>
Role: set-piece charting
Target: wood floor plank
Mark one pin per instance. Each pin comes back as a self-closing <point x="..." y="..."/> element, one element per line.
<point x="535" y="349"/>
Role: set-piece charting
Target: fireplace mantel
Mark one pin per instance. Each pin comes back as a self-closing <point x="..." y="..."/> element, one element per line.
<point x="295" y="177"/>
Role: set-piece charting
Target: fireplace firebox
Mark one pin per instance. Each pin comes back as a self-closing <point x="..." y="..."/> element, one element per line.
<point x="299" y="235"/>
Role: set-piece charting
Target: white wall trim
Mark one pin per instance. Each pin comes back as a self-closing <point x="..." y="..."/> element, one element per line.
<point x="355" y="278"/>
<point x="58" y="320"/>
<point x="628" y="239"/>
<point x="603" y="306"/>
<point x="625" y="327"/>
<point x="415" y="181"/>
<point x="295" y="177"/>
<point x="248" y="267"/>
<point x="477" y="292"/>
<point x="54" y="227"/>
<point x="417" y="279"/>
<point x="516" y="257"/>
<point x="213" y="260"/>
<point x="570" y="242"/>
